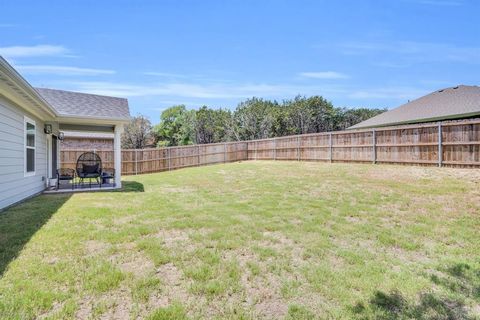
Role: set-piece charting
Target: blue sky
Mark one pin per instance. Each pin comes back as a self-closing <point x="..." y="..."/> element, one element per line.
<point x="159" y="53"/>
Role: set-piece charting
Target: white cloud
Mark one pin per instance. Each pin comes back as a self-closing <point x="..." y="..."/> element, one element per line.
<point x="324" y="75"/>
<point x="33" y="51"/>
<point x="62" y="70"/>
<point x="199" y="93"/>
<point x="190" y="90"/>
<point x="184" y="91"/>
<point x="408" y="52"/>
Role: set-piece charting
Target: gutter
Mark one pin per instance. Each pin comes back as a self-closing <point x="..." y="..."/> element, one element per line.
<point x="65" y="118"/>
<point x="27" y="88"/>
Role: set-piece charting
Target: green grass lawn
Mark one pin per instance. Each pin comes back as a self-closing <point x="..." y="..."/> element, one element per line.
<point x="265" y="239"/>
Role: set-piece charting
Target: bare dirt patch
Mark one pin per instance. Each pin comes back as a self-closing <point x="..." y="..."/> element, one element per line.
<point x="85" y="307"/>
<point x="263" y="293"/>
<point x="172" y="237"/>
<point x="137" y="264"/>
<point x="119" y="305"/>
<point x="175" y="287"/>
<point x="94" y="247"/>
<point x="282" y="244"/>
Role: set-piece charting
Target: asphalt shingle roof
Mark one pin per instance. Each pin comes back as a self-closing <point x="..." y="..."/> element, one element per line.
<point x="449" y="103"/>
<point x="71" y="104"/>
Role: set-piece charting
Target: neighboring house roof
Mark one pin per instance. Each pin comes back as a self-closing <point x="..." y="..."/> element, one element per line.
<point x="76" y="104"/>
<point x="87" y="134"/>
<point x="450" y="103"/>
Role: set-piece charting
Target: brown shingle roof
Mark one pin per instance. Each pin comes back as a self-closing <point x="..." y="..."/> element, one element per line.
<point x="449" y="103"/>
<point x="76" y="104"/>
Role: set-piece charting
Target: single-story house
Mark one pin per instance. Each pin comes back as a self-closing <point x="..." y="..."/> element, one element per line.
<point x="460" y="102"/>
<point x="32" y="121"/>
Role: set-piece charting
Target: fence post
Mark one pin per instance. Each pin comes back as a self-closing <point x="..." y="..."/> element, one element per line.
<point x="256" y="150"/>
<point x="274" y="149"/>
<point x="136" y="162"/>
<point x="169" y="165"/>
<point x="298" y="148"/>
<point x="225" y="152"/>
<point x="330" y="147"/>
<point x="374" y="140"/>
<point x="440" y="141"/>
<point x="198" y="155"/>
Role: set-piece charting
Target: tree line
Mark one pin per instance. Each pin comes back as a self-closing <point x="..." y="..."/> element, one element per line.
<point x="254" y="118"/>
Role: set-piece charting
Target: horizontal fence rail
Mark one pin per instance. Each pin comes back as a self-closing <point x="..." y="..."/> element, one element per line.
<point x="449" y="143"/>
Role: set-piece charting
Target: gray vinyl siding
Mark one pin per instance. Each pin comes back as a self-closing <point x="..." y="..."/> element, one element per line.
<point x="14" y="186"/>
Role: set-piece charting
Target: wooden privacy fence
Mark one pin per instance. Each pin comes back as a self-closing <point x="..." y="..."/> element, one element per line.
<point x="137" y="161"/>
<point x="162" y="159"/>
<point x="450" y="143"/>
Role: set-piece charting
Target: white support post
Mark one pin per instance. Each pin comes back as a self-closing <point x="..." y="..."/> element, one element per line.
<point x="374" y="140"/>
<point x="440" y="147"/>
<point x="330" y="147"/>
<point x="118" y="155"/>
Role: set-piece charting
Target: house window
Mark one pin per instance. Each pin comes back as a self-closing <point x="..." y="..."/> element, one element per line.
<point x="30" y="134"/>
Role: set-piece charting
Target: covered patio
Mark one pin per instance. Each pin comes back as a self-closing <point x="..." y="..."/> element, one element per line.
<point x="68" y="172"/>
<point x="90" y="169"/>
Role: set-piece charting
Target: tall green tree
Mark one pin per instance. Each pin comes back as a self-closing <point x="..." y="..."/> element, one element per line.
<point x="211" y="125"/>
<point x="350" y="117"/>
<point x="138" y="133"/>
<point x="309" y="115"/>
<point x="256" y="119"/>
<point x="176" y="126"/>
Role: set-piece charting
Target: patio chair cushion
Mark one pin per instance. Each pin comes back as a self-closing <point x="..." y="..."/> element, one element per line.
<point x="90" y="169"/>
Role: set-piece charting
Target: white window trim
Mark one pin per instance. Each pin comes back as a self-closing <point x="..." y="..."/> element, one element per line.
<point x="25" y="147"/>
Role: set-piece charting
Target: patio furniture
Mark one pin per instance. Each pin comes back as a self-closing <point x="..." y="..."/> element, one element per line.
<point x="108" y="174"/>
<point x="89" y="166"/>
<point x="65" y="174"/>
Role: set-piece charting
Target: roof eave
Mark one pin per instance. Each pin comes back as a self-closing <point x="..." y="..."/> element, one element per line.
<point x="21" y="84"/>
<point x="433" y="119"/>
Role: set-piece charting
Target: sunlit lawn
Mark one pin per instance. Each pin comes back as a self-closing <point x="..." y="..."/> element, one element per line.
<point x="250" y="240"/>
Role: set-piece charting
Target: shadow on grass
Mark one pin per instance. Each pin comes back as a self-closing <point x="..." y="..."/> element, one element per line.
<point x="132" y="186"/>
<point x="459" y="281"/>
<point x="20" y="222"/>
